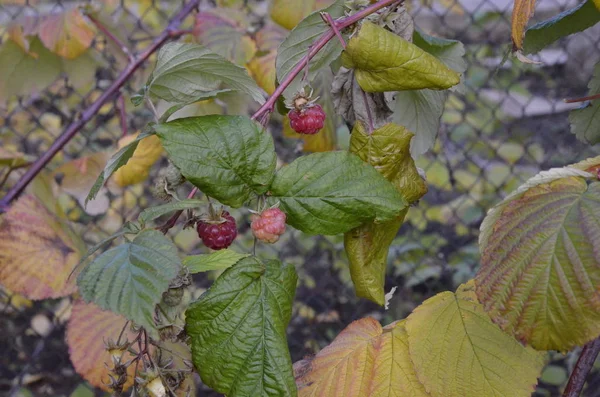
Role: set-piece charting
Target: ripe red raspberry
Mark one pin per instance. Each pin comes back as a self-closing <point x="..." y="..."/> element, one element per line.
<point x="218" y="234"/>
<point x="269" y="225"/>
<point x="308" y="120"/>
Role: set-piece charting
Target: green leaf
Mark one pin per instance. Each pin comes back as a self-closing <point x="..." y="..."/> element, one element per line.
<point x="237" y="330"/>
<point x="130" y="278"/>
<point x="297" y="44"/>
<point x="149" y="214"/>
<point x="540" y="264"/>
<point x="218" y="260"/>
<point x="576" y="19"/>
<point x="333" y="192"/>
<point x="204" y="96"/>
<point x="227" y="157"/>
<point x="118" y="160"/>
<point x="585" y="122"/>
<point x="386" y="149"/>
<point x="451" y="52"/>
<point x="185" y="71"/>
<point x="420" y="111"/>
<point x="386" y="62"/>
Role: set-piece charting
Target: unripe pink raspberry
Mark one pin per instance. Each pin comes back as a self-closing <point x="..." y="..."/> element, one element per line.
<point x="269" y="225"/>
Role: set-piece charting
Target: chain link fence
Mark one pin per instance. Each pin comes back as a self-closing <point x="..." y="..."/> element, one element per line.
<point x="509" y="123"/>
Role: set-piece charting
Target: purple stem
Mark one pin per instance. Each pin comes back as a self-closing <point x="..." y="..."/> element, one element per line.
<point x="582" y="368"/>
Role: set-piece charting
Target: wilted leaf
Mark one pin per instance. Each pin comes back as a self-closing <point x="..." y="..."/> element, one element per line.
<point x="333" y="192"/>
<point x="386" y="149"/>
<point x="262" y="66"/>
<point x="87" y="331"/>
<point x="129" y="279"/>
<point x="78" y="176"/>
<point x="218" y="260"/>
<point x="324" y="140"/>
<point x="297" y="43"/>
<point x="38" y="250"/>
<point x="237" y="330"/>
<point x="363" y="360"/>
<point x="137" y="168"/>
<point x="224" y="31"/>
<point x="458" y="352"/>
<point x="585" y="122"/>
<point x="185" y="71"/>
<point x="386" y="62"/>
<point x="68" y="34"/>
<point x="573" y="20"/>
<point x="522" y="12"/>
<point x="227" y="157"/>
<point x="540" y="267"/>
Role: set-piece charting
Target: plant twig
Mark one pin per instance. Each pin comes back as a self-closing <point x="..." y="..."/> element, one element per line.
<point x="171" y="32"/>
<point x="583" y="99"/>
<point x="112" y="37"/>
<point x="340" y="24"/>
<point x="582" y="368"/>
<point x="329" y="21"/>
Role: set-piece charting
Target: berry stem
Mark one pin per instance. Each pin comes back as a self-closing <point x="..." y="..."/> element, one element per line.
<point x="339" y="24"/>
<point x="173" y="219"/>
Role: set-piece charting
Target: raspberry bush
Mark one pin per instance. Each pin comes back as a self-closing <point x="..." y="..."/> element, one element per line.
<point x="536" y="290"/>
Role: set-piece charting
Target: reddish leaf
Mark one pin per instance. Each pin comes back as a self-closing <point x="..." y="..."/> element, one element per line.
<point x="37" y="251"/>
<point x="67" y="34"/>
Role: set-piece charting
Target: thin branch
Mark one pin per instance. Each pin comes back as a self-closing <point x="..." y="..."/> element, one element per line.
<point x="340" y="24"/>
<point x="585" y="98"/>
<point x="171" y="32"/>
<point x="369" y="115"/>
<point x="582" y="368"/>
<point x="112" y="37"/>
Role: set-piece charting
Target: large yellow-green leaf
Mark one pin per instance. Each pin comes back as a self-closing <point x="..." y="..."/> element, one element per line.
<point x="540" y="266"/>
<point x="38" y="250"/>
<point x="458" y="352"/>
<point x="363" y="360"/>
<point x="224" y="31"/>
<point x="288" y="13"/>
<point x="388" y="150"/>
<point x="386" y="62"/>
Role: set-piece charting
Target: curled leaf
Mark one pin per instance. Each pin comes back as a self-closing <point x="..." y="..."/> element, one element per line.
<point x="386" y="62"/>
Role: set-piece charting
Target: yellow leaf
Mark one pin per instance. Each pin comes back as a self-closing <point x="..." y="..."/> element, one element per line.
<point x="384" y="61"/>
<point x="597" y="4"/>
<point x="363" y="360"/>
<point x="137" y="168"/>
<point x="37" y="251"/>
<point x="388" y="150"/>
<point x="458" y="352"/>
<point x="87" y="330"/>
<point x="288" y="13"/>
<point x="522" y="12"/>
<point x="262" y="67"/>
<point x="68" y="34"/>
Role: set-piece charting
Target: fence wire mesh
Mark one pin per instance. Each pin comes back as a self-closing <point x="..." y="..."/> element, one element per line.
<point x="509" y="123"/>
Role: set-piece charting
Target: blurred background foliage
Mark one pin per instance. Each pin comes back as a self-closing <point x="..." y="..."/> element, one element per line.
<point x="505" y="125"/>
